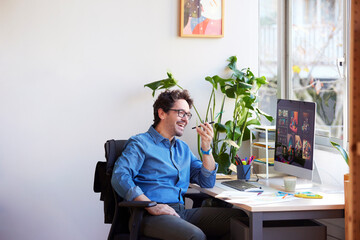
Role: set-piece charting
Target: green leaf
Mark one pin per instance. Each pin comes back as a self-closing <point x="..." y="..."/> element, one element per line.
<point x="229" y="125"/>
<point x="261" y="80"/>
<point x="244" y="85"/>
<point x="220" y="127"/>
<point x="253" y="122"/>
<point x="224" y="163"/>
<point x="230" y="92"/>
<point x="247" y="133"/>
<point x="238" y="74"/>
<point x="232" y="64"/>
<point x="237" y="133"/>
<point x="268" y="117"/>
<point x="162" y="84"/>
<point x="232" y="143"/>
<point x="249" y="101"/>
<point x="342" y="151"/>
<point x="153" y="85"/>
<point x="222" y="81"/>
<point x="242" y="91"/>
<point x="212" y="81"/>
<point x="170" y="75"/>
<point x="249" y="73"/>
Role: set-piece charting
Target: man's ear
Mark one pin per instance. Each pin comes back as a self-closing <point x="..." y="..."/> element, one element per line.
<point x="161" y="113"/>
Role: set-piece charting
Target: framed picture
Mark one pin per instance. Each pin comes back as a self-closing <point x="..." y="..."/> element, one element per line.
<point x="202" y="18"/>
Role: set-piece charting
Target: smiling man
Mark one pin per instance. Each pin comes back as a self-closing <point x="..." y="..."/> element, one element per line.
<point x="158" y="166"/>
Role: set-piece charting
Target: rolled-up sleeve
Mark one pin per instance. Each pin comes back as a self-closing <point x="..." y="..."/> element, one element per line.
<point x="126" y="168"/>
<point x="200" y="175"/>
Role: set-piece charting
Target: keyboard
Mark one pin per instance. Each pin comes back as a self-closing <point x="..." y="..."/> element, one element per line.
<point x="241" y="185"/>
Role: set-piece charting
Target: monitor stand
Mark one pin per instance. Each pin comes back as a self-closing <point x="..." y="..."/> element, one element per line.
<point x="304" y="184"/>
<point x="276" y="180"/>
<point x="316" y="175"/>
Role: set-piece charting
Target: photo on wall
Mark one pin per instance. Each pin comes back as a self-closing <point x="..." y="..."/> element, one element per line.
<point x="202" y="18"/>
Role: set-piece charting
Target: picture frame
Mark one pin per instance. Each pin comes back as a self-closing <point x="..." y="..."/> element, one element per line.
<point x="202" y="18"/>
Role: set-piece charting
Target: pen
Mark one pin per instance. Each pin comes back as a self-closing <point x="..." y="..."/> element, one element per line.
<point x="280" y="193"/>
<point x="212" y="122"/>
<point x="251" y="159"/>
<point x="237" y="160"/>
<point x="285" y="196"/>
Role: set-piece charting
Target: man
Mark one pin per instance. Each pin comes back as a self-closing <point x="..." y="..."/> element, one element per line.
<point x="157" y="166"/>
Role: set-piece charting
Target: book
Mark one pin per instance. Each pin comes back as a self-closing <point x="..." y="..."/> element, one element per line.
<point x="263" y="160"/>
<point x="263" y="144"/>
<point x="269" y="128"/>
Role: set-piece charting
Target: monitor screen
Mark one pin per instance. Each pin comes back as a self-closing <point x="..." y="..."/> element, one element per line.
<point x="294" y="143"/>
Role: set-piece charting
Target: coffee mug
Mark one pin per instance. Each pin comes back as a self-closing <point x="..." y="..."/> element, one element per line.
<point x="289" y="183"/>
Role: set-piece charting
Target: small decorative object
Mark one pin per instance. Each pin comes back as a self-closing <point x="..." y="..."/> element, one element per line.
<point x="202" y="18"/>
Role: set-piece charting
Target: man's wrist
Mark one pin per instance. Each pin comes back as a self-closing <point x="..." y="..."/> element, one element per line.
<point x="208" y="152"/>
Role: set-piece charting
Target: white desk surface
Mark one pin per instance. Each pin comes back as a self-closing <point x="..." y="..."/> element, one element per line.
<point x="333" y="197"/>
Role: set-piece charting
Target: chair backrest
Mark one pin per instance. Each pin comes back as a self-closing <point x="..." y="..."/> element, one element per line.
<point x="113" y="150"/>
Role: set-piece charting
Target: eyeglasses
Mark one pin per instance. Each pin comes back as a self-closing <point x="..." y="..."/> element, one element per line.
<point x="182" y="113"/>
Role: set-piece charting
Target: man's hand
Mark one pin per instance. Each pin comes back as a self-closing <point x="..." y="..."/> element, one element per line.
<point x="159" y="209"/>
<point x="206" y="133"/>
<point x="162" y="209"/>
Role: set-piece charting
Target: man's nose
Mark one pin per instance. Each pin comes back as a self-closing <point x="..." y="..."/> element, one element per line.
<point x="185" y="118"/>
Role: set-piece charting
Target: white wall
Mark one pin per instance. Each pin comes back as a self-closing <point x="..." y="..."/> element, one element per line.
<point x="71" y="77"/>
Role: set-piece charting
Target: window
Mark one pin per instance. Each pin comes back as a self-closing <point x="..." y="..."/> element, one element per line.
<point x="268" y="63"/>
<point x="315" y="45"/>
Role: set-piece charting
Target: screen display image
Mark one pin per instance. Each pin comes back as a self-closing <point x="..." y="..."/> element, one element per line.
<point x="295" y="125"/>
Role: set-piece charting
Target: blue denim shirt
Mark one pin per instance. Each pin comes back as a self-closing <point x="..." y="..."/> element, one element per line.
<point x="162" y="170"/>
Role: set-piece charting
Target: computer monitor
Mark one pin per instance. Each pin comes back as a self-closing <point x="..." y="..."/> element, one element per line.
<point x="294" y="142"/>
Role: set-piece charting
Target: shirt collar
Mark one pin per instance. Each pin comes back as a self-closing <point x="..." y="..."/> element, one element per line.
<point x="157" y="137"/>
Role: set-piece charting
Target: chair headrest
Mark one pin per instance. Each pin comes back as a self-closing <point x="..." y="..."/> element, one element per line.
<point x="113" y="150"/>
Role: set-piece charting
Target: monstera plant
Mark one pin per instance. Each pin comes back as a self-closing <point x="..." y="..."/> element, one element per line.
<point x="240" y="90"/>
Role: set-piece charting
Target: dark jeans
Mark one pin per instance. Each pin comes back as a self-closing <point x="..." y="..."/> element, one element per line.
<point x="195" y="223"/>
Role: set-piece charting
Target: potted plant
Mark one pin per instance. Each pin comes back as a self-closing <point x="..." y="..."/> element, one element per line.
<point x="242" y="88"/>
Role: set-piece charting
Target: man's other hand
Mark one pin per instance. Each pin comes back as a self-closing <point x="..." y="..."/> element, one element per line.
<point x="162" y="209"/>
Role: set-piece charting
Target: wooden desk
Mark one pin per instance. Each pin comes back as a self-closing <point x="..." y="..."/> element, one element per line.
<point x="331" y="206"/>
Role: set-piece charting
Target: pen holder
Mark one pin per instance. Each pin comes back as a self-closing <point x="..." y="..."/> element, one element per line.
<point x="243" y="171"/>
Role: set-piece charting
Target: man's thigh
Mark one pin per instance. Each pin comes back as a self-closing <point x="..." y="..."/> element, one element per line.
<point x="213" y="221"/>
<point x="170" y="227"/>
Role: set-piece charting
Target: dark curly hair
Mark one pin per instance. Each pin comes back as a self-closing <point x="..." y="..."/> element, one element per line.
<point x="166" y="100"/>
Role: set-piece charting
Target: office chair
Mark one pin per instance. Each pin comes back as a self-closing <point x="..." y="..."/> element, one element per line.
<point x="117" y="211"/>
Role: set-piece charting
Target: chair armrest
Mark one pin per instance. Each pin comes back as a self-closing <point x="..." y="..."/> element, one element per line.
<point x="197" y="198"/>
<point x="138" y="209"/>
<point x="137" y="204"/>
<point x="198" y="195"/>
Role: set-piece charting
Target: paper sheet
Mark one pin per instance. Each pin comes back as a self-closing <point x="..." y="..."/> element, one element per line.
<point x="236" y="194"/>
<point x="252" y="198"/>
